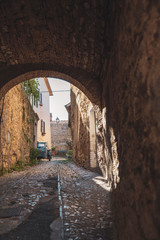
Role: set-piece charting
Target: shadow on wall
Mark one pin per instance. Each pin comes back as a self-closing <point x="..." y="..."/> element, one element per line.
<point x="91" y="148"/>
<point x="110" y="153"/>
<point x="82" y="133"/>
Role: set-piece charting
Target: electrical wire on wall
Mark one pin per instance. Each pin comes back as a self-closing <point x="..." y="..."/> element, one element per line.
<point x="58" y="91"/>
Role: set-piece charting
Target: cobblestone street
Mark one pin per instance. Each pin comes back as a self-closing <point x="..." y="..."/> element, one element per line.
<point x="54" y="200"/>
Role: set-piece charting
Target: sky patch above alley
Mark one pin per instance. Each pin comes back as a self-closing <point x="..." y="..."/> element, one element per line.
<point x="59" y="99"/>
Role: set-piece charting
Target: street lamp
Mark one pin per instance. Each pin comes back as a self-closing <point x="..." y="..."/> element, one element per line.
<point x="57" y="120"/>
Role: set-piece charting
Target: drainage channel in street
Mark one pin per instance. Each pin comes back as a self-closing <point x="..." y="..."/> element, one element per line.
<point x="57" y="225"/>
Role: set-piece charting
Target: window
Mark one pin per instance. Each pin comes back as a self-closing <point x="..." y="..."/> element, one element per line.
<point x="40" y="99"/>
<point x="43" y="127"/>
<point x="35" y="102"/>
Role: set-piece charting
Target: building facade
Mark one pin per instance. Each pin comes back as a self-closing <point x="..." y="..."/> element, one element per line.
<point x="42" y="108"/>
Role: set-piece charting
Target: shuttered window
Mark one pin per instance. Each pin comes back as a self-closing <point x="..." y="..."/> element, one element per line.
<point x="43" y="126"/>
<point x="40" y="99"/>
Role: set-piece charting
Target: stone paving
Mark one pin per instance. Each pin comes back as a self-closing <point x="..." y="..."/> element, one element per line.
<point x="86" y="204"/>
<point x="24" y="189"/>
<point x="83" y="199"/>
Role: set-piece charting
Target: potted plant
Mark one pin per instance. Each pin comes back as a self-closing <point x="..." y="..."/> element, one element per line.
<point x="53" y="151"/>
<point x="69" y="154"/>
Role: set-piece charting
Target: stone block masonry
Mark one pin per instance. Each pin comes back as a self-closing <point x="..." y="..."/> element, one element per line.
<point x="131" y="97"/>
<point x="83" y="128"/>
<point x="18" y="128"/>
<point x="60" y="134"/>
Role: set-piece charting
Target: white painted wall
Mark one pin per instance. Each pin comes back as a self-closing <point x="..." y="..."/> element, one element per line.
<point x="44" y="114"/>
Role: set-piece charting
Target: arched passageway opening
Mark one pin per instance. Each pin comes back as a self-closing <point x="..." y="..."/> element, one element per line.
<point x="86" y="83"/>
<point x="68" y="176"/>
<point x="92" y="158"/>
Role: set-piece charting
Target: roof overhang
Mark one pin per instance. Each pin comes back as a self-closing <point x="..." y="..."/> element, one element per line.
<point x="48" y="86"/>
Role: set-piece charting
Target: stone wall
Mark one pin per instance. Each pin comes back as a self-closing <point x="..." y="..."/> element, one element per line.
<point x="60" y="134"/>
<point x="18" y="128"/>
<point x="131" y="97"/>
<point x="83" y="127"/>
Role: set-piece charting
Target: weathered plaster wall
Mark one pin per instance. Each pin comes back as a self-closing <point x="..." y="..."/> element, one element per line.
<point x="131" y="95"/>
<point x="18" y="128"/>
<point x="43" y="111"/>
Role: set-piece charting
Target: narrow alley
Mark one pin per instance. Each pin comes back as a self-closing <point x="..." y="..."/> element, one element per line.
<point x="109" y="54"/>
<point x="55" y="200"/>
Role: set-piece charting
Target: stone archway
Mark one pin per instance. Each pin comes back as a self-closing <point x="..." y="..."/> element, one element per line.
<point x="84" y="82"/>
<point x="50" y="39"/>
<point x="53" y="39"/>
<point x="93" y="93"/>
